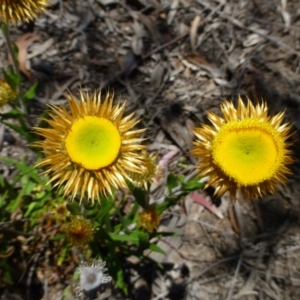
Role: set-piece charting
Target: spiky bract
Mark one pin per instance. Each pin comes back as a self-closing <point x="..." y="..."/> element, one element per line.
<point x="12" y="11"/>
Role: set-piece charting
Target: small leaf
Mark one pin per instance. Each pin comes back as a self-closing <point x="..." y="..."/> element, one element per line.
<point x="155" y="248"/>
<point x="25" y="170"/>
<point x="172" y="182"/>
<point x="11" y="114"/>
<point x="74" y="208"/>
<point x="31" y="207"/>
<point x="19" y="130"/>
<point x="132" y="238"/>
<point x="63" y="256"/>
<point x="193" y="185"/>
<point x="140" y="196"/>
<point x="12" y="79"/>
<point x="31" y="92"/>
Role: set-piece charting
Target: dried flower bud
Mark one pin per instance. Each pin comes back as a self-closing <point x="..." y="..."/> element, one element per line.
<point x="60" y="212"/>
<point x="79" y="231"/>
<point x="149" y="219"/>
<point x="92" y="276"/>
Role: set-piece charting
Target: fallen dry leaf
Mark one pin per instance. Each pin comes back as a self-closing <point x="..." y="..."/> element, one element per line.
<point x="23" y="42"/>
<point x="208" y="205"/>
<point x="193" y="32"/>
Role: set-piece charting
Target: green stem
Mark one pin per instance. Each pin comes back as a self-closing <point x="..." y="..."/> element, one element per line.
<point x="12" y="53"/>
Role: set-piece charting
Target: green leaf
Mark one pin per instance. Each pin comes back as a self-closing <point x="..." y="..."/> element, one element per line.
<point x="19" y="129"/>
<point x="14" y="113"/>
<point x="25" y="170"/>
<point x="172" y="182"/>
<point x="12" y="79"/>
<point x="31" y="92"/>
<point x="16" y="52"/>
<point x="141" y="196"/>
<point x="160" y="208"/>
<point x="132" y="238"/>
<point x="57" y="237"/>
<point x="63" y="256"/>
<point x="155" y="248"/>
<point x="107" y="205"/>
<point x="74" y="208"/>
<point x="115" y="269"/>
<point x="193" y="185"/>
<point x="133" y="213"/>
<point x="31" y="207"/>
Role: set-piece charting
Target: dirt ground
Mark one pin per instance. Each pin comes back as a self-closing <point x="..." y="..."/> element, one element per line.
<point x="174" y="61"/>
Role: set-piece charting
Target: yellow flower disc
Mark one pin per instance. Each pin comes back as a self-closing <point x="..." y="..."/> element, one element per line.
<point x="249" y="151"/>
<point x="93" y="142"/>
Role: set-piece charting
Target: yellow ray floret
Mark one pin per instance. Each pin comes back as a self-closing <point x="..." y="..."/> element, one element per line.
<point x="246" y="150"/>
<point x="21" y="10"/>
<point x="92" y="148"/>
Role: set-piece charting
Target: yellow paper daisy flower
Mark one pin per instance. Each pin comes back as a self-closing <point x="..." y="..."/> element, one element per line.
<point x="21" y="10"/>
<point x="91" y="148"/>
<point x="246" y="150"/>
<point x="79" y="231"/>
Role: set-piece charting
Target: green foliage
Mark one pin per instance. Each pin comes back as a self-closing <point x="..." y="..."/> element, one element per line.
<point x="30" y="93"/>
<point x="12" y="79"/>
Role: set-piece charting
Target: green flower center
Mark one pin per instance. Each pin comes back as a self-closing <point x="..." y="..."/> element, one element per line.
<point x="248" y="151"/>
<point x="93" y="142"/>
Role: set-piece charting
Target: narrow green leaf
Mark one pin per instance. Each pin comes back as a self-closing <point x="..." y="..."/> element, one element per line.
<point x="31" y="92"/>
<point x="141" y="196"/>
<point x="157" y="249"/>
<point x="172" y="182"/>
<point x="63" y="256"/>
<point x="193" y="185"/>
<point x="12" y="114"/>
<point x="125" y="238"/>
<point x="18" y="129"/>
<point x="25" y="170"/>
<point x="74" y="208"/>
<point x="12" y="79"/>
<point x="31" y="207"/>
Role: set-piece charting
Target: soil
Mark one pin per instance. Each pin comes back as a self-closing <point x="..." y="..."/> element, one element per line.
<point x="173" y="61"/>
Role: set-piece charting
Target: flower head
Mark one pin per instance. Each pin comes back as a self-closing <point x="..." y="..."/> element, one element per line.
<point x="149" y="219"/>
<point x="92" y="276"/>
<point x="6" y="93"/>
<point x="92" y="148"/>
<point x="79" y="231"/>
<point x="21" y="10"/>
<point x="148" y="170"/>
<point x="60" y="211"/>
<point x="246" y="150"/>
